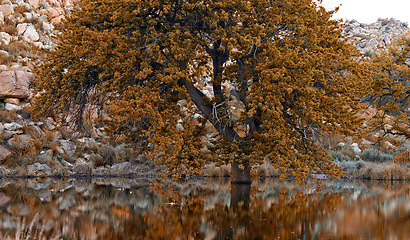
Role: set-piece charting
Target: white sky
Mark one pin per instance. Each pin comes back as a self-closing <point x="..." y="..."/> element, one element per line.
<point x="368" y="11"/>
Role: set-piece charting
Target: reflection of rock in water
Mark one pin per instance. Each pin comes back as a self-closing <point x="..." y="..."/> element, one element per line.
<point x="82" y="184"/>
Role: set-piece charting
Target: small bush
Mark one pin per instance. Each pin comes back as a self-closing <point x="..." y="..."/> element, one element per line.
<point x="339" y="156"/>
<point x="107" y="152"/>
<point x="351" y="165"/>
<point x="375" y="155"/>
<point x="7" y="116"/>
<point x="97" y="159"/>
<point x="122" y="153"/>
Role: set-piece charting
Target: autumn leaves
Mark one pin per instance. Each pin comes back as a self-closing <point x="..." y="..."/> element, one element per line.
<point x="284" y="62"/>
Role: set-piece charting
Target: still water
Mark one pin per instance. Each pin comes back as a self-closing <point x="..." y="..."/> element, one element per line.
<point x="204" y="209"/>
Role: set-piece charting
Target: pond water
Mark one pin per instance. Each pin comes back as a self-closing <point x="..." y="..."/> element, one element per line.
<point x="202" y="209"/>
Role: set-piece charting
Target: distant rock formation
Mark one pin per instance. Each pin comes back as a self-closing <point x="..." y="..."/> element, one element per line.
<point x="374" y="37"/>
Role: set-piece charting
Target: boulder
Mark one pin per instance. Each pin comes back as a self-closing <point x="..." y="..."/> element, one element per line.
<point x="100" y="171"/>
<point x="38" y="169"/>
<point x="49" y="124"/>
<point x="20" y="141"/>
<point x="121" y="167"/>
<point x="57" y="20"/>
<point x="374" y="37"/>
<point x="12" y="126"/>
<point x="28" y="16"/>
<point x="9" y="134"/>
<point x="5" y="37"/>
<point x="12" y="107"/>
<point x="4" y="153"/>
<point x="37" y="132"/>
<point x="68" y="3"/>
<point x="67" y="147"/>
<point x="34" y="3"/>
<point x="4" y="199"/>
<point x="4" y="54"/>
<point x="31" y="34"/>
<point x="14" y="84"/>
<point x="45" y="156"/>
<point x="66" y="164"/>
<point x="6" y="9"/>
<point x="14" y="101"/>
<point x="28" y="31"/>
<point x="54" y="3"/>
<point x="48" y="27"/>
<point x="356" y="148"/>
<point x="88" y="142"/>
<point x="38" y="45"/>
<point x="54" y="12"/>
<point x="21" y="28"/>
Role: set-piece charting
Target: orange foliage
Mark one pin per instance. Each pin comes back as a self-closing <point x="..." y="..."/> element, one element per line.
<point x="391" y="90"/>
<point x="271" y="78"/>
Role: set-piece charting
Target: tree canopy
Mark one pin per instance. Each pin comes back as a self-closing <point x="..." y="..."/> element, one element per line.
<point x="391" y="90"/>
<point x="186" y="82"/>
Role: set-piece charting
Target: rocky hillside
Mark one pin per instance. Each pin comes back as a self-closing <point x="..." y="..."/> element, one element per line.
<point x="27" y="28"/>
<point x="374" y="37"/>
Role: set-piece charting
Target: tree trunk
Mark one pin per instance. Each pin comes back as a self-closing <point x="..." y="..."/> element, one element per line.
<point x="240" y="176"/>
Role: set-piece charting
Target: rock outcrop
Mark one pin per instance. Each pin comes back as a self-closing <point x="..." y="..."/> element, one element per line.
<point x="374" y="37"/>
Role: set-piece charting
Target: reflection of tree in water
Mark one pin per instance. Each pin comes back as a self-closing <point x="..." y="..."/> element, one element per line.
<point x="193" y="212"/>
<point x="186" y="218"/>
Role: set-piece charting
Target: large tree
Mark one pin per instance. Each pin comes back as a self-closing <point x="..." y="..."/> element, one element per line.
<point x="233" y="81"/>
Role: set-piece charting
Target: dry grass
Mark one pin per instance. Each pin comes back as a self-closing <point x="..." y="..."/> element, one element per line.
<point x="389" y="171"/>
<point x="20" y="9"/>
<point x="23" y="49"/>
<point x="266" y="170"/>
<point x="402" y="158"/>
<point x="211" y="170"/>
<point x="83" y="169"/>
<point x="22" y="157"/>
<point x="7" y="116"/>
<point x="6" y="59"/>
<point x="26" y="231"/>
<point x="12" y="30"/>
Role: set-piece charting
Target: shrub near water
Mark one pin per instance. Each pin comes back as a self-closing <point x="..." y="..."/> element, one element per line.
<point x="375" y="155"/>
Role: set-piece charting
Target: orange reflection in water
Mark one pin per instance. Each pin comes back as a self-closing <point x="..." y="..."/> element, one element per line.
<point x="127" y="209"/>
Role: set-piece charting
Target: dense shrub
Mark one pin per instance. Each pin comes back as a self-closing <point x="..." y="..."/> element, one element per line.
<point x="375" y="155"/>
